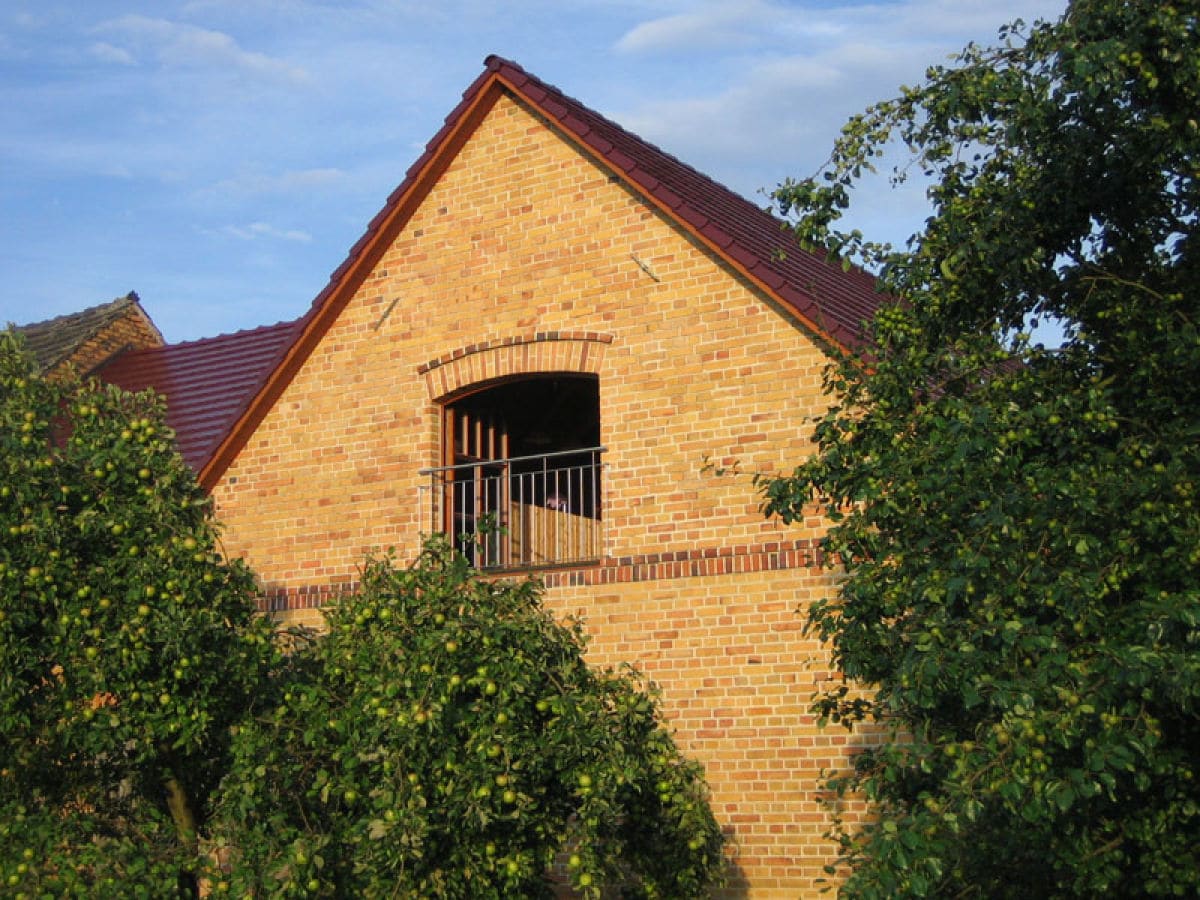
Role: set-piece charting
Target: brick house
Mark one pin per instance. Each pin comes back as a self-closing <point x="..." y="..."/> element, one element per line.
<point x="551" y="326"/>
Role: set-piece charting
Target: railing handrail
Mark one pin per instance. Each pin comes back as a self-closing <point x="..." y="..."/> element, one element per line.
<point x="511" y="459"/>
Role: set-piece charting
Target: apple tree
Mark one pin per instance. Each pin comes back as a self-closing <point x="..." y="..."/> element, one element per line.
<point x="128" y="644"/>
<point x="447" y="739"/>
<point x="1020" y="526"/>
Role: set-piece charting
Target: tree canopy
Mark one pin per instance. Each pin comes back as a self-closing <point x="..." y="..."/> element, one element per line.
<point x="128" y="645"/>
<point x="447" y="739"/>
<point x="1018" y="525"/>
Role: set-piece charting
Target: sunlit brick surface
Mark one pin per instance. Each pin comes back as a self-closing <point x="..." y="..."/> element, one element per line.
<point x="527" y="257"/>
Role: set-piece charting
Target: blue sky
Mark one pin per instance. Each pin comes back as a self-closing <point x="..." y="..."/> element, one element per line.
<point x="220" y="157"/>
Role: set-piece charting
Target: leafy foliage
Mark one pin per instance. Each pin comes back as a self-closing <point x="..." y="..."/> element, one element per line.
<point x="1019" y="526"/>
<point x="128" y="644"/>
<point x="447" y="739"/>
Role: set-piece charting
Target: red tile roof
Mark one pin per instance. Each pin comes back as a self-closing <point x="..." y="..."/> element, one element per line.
<point x="220" y="389"/>
<point x="207" y="383"/>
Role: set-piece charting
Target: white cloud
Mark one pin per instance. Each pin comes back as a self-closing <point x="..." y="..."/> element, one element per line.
<point x="769" y="104"/>
<point x="256" y="230"/>
<point x="177" y="44"/>
<point x="724" y="25"/>
<point x="743" y="24"/>
<point x="747" y="24"/>
<point x="254" y="183"/>
<point x="269" y="7"/>
<point x="77" y="157"/>
<point x="778" y="116"/>
<point x="107" y="53"/>
<point x="978" y="19"/>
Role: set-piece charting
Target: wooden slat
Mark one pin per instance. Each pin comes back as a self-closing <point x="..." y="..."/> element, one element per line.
<point x="542" y="536"/>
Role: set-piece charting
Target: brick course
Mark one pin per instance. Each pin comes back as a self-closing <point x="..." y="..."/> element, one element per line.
<point x="526" y="257"/>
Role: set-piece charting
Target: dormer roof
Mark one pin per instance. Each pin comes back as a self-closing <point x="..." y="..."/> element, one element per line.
<point x="91" y="336"/>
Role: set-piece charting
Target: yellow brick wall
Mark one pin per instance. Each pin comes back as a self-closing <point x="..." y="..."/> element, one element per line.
<point x="737" y="677"/>
<point x="526" y="256"/>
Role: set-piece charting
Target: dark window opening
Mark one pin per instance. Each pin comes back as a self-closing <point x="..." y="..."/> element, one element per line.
<point x="520" y="481"/>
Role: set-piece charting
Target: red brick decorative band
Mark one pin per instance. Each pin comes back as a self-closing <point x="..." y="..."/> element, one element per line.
<point x="513" y="342"/>
<point x="544" y="351"/>
<point x="698" y="563"/>
<point x="281" y="599"/>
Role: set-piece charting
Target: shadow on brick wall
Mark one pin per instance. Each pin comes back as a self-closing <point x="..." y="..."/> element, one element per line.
<point x="736" y="886"/>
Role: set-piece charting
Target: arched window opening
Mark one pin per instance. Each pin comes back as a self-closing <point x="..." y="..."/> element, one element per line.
<point x="520" y="482"/>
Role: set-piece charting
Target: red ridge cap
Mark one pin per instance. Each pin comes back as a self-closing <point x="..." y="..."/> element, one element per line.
<point x="769" y="277"/>
<point x="716" y="235"/>
<point x="578" y="126"/>
<point x="740" y="254"/>
<point x="642" y="177"/>
<point x="597" y="142"/>
<point x="620" y="160"/>
<point x="667" y="196"/>
<point x="693" y="216"/>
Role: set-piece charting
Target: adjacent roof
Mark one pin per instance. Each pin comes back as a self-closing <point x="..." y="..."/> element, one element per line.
<point x="219" y="390"/>
<point x="54" y="340"/>
<point x="207" y="383"/>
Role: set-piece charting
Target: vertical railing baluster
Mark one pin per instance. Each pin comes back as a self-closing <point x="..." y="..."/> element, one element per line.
<point x="542" y="510"/>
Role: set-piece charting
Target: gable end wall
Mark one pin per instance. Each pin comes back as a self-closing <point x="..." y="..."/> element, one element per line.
<point x="526" y="256"/>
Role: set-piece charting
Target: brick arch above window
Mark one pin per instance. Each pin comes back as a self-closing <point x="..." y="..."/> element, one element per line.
<point x="545" y="351"/>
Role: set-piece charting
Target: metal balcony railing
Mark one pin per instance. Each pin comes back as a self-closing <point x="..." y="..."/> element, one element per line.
<point x="522" y="512"/>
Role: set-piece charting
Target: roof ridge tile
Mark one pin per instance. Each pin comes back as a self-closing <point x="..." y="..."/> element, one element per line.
<point x="225" y="335"/>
